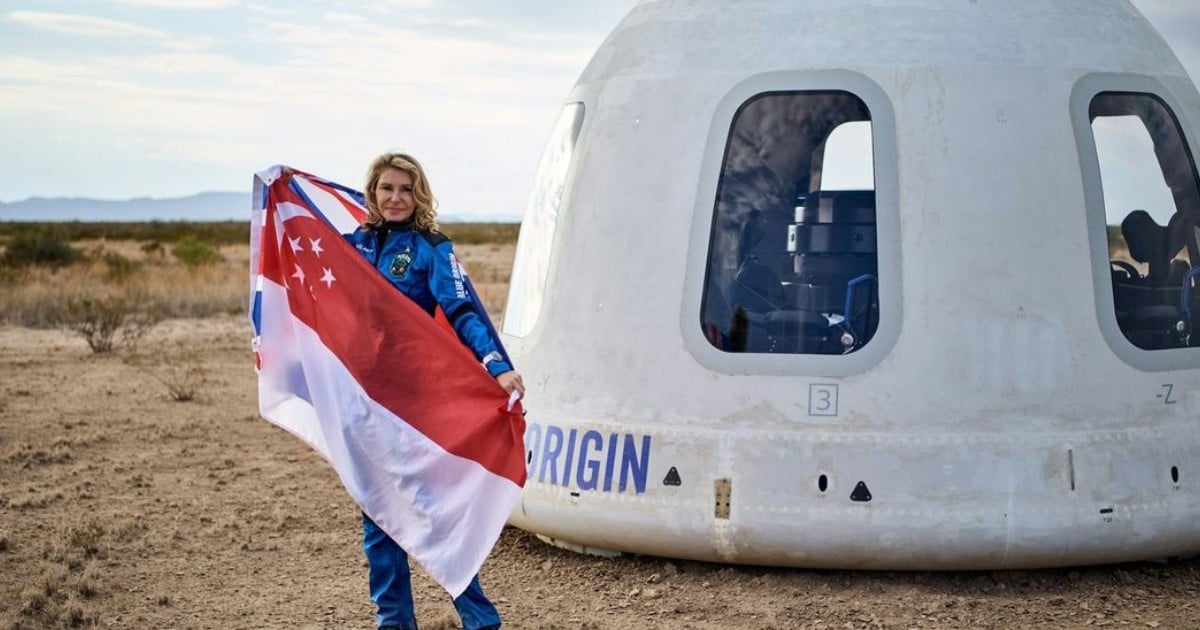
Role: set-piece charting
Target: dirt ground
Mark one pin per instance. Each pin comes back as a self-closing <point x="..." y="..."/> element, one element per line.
<point x="120" y="508"/>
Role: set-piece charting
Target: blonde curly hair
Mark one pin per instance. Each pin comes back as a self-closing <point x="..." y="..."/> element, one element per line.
<point x="425" y="214"/>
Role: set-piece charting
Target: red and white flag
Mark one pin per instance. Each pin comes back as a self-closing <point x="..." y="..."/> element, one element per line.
<point x="419" y="433"/>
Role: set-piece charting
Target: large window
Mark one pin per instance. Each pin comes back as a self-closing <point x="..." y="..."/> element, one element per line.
<point x="792" y="261"/>
<point x="1152" y="212"/>
<point x="532" y="261"/>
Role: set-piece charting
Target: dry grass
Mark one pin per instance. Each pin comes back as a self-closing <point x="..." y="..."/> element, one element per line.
<point x="59" y="593"/>
<point x="178" y="367"/>
<point x="38" y="296"/>
<point x="145" y="272"/>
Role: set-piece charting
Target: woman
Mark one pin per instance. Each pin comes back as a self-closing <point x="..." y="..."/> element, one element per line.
<point x="401" y="239"/>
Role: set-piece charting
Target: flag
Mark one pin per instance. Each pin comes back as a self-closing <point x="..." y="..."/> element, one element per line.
<point x="418" y="432"/>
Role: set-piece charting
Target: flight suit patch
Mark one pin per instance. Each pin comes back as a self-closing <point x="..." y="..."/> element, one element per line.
<point x="401" y="263"/>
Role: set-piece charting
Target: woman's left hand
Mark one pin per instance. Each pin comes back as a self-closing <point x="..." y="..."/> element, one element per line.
<point x="511" y="380"/>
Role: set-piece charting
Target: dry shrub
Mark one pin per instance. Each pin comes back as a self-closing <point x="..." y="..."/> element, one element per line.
<point x="52" y="580"/>
<point x="36" y="501"/>
<point x="77" y="545"/>
<point x="33" y="601"/>
<point x="86" y="584"/>
<point x="131" y="529"/>
<point x="28" y="455"/>
<point x="52" y="601"/>
<point x="82" y="439"/>
<point x="177" y="367"/>
<point x="194" y="252"/>
<point x="120" y="268"/>
<point x="47" y="612"/>
<point x="154" y="250"/>
<point x="86" y="539"/>
<point x="109" y="323"/>
<point x="45" y="244"/>
<point x="72" y="614"/>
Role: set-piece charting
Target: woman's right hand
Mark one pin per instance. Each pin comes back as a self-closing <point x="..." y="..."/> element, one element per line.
<point x="511" y="380"/>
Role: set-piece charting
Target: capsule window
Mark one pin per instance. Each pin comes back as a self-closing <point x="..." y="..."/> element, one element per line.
<point x="792" y="261"/>
<point x="531" y="264"/>
<point x="1152" y="213"/>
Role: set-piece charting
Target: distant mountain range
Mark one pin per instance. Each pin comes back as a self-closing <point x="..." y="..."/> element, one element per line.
<point x="209" y="206"/>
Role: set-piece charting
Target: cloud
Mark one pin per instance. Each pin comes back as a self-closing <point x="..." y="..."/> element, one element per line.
<point x="344" y="18"/>
<point x="82" y="25"/>
<point x="180" y="4"/>
<point x="264" y="9"/>
<point x="408" y="4"/>
<point x="368" y="81"/>
<point x="411" y="66"/>
<point x="323" y="91"/>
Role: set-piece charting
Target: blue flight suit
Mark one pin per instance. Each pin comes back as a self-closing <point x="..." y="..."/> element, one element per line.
<point x="422" y="266"/>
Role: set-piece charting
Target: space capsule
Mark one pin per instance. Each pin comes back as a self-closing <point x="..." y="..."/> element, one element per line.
<point x="862" y="284"/>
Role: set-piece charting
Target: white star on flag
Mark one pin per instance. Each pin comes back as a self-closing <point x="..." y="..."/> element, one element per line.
<point x="299" y="275"/>
<point x="328" y="278"/>
<point x="316" y="246"/>
<point x="295" y="244"/>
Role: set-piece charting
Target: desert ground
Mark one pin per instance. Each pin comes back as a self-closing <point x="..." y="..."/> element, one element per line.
<point x="123" y="508"/>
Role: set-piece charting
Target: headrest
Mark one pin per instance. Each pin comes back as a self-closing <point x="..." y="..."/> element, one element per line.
<point x="1147" y="240"/>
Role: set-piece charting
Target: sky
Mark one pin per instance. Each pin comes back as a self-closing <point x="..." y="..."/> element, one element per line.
<point x="116" y="99"/>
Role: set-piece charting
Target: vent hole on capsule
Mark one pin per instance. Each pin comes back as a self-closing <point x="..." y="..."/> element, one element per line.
<point x="1174" y="474"/>
<point x="822" y="483"/>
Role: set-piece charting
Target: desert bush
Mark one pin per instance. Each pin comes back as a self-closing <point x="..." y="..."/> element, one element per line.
<point x="74" y="615"/>
<point x="153" y="249"/>
<point x="120" y="268"/>
<point x="177" y="368"/>
<point x="33" y="601"/>
<point x="86" y="585"/>
<point x="40" y="245"/>
<point x="53" y="600"/>
<point x="109" y="323"/>
<point x="194" y="252"/>
<point x="86" y="538"/>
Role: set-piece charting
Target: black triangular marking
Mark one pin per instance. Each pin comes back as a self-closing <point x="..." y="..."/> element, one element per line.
<point x="861" y="493"/>
<point x="672" y="478"/>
